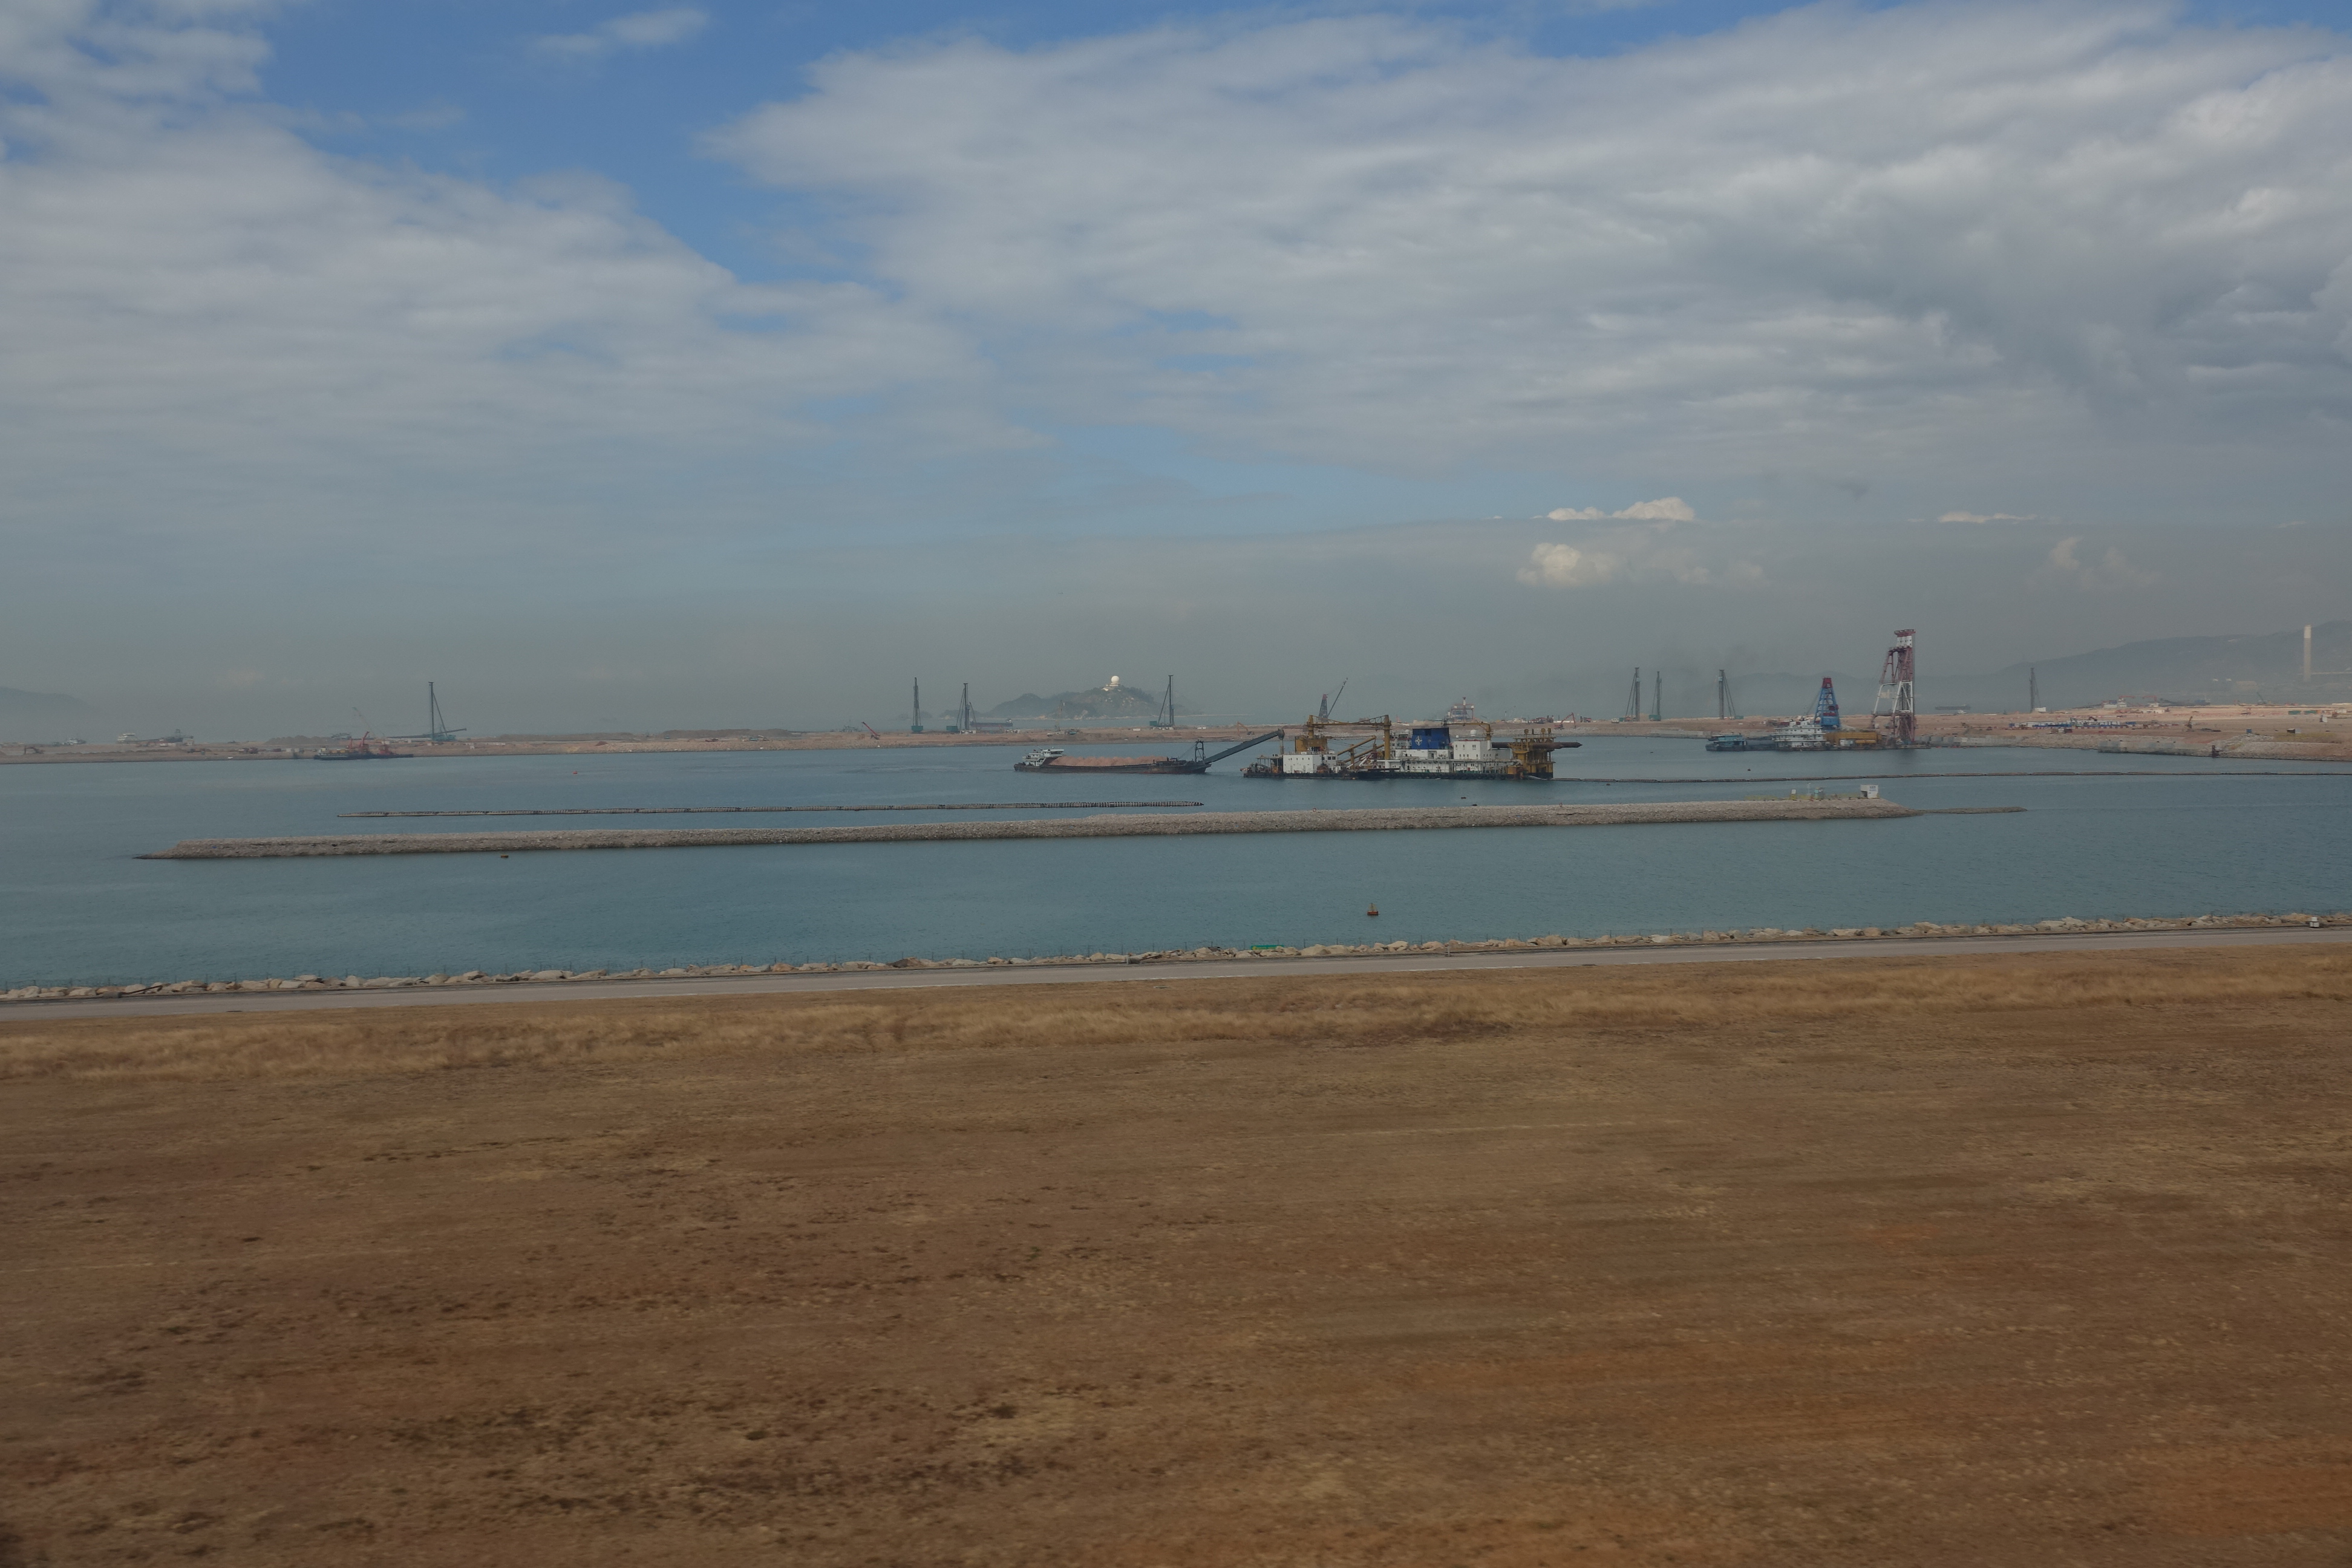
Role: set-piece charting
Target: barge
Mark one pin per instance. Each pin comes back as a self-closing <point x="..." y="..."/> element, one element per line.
<point x="1053" y="760"/>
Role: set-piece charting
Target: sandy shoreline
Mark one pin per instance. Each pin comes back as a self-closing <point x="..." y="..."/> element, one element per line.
<point x="1754" y="943"/>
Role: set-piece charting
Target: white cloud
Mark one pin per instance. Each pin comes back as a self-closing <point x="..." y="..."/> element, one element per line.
<point x="1566" y="566"/>
<point x="2109" y="571"/>
<point x="209" y="326"/>
<point x="637" y="31"/>
<point x="1987" y="517"/>
<point x="1908" y="239"/>
<point x="1668" y="509"/>
<point x="1650" y="551"/>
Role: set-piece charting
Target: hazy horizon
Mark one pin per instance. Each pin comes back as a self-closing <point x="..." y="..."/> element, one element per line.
<point x="718" y="366"/>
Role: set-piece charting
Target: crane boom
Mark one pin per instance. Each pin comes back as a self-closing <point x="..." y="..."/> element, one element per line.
<point x="1254" y="739"/>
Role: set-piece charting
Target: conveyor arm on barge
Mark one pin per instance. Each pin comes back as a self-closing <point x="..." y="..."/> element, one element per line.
<point x="1243" y="746"/>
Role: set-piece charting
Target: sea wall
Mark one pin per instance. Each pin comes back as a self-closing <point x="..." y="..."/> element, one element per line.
<point x="1372" y="820"/>
<point x="1811" y="935"/>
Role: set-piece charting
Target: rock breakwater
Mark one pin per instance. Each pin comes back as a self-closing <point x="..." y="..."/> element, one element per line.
<point x="1751" y="936"/>
<point x="1367" y="820"/>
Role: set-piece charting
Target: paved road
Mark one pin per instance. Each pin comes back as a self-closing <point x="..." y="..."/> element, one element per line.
<point x="1162" y="973"/>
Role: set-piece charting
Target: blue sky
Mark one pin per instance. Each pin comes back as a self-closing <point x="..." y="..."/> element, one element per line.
<point x="711" y="362"/>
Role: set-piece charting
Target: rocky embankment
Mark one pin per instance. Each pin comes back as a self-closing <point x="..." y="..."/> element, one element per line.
<point x="2067" y="926"/>
<point x="1158" y="825"/>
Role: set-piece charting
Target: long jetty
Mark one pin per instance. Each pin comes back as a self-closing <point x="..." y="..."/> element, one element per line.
<point x="766" y="810"/>
<point x="1208" y="822"/>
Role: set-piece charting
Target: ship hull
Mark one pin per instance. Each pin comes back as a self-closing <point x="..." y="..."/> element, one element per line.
<point x="1114" y="765"/>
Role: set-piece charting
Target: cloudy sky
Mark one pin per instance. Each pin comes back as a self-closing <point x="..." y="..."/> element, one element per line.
<point x="733" y="363"/>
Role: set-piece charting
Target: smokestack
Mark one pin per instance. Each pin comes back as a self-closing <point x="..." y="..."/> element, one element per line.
<point x="2306" y="656"/>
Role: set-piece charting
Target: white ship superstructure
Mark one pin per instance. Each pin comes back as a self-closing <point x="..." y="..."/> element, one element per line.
<point x="1462" y="746"/>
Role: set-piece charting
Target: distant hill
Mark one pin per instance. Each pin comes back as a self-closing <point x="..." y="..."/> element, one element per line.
<point x="1112" y="701"/>
<point x="2179" y="669"/>
<point x="40" y="715"/>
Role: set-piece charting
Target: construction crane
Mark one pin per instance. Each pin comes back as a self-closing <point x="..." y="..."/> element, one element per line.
<point x="873" y="731"/>
<point x="1166" y="717"/>
<point x="919" y="705"/>
<point x="1657" y="694"/>
<point x="1323" y="713"/>
<point x="435" y="728"/>
<point x="1633" y="698"/>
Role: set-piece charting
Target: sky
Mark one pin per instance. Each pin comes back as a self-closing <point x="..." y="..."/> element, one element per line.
<point x="736" y="364"/>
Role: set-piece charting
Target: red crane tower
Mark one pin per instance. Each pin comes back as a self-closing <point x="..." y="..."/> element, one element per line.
<point x="1895" y="714"/>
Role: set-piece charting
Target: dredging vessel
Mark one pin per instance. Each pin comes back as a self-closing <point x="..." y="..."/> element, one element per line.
<point x="1460" y="746"/>
<point x="1053" y="760"/>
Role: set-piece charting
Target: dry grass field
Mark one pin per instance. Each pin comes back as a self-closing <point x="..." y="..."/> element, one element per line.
<point x="1953" y="1260"/>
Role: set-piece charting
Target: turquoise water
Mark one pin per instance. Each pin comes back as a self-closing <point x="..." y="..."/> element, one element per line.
<point x="77" y="907"/>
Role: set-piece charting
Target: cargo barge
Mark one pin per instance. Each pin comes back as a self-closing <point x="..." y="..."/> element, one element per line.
<point x="1053" y="760"/>
<point x="1460" y="746"/>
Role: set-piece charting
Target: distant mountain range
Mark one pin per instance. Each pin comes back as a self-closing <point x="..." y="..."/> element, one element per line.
<point x="40" y="715"/>
<point x="1112" y="701"/>
<point x="2180" y="669"/>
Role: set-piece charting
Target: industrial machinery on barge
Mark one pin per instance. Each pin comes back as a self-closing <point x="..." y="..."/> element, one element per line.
<point x="1460" y="746"/>
<point x="1819" y="730"/>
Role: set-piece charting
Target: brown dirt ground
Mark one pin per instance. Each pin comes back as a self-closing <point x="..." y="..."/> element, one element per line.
<point x="2030" y="1260"/>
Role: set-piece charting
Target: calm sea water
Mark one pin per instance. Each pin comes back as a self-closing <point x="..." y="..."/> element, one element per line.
<point x="77" y="908"/>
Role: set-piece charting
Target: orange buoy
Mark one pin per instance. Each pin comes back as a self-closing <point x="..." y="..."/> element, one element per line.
<point x="1374" y="911"/>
